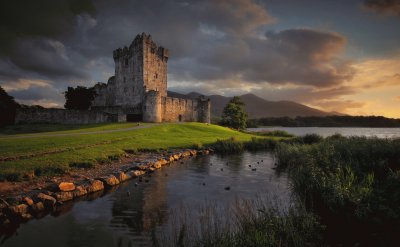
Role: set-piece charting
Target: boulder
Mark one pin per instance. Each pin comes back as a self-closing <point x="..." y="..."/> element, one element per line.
<point x="109" y="181"/>
<point x="18" y="210"/>
<point x="37" y="207"/>
<point x="64" y="196"/>
<point x="186" y="153"/>
<point x="136" y="173"/>
<point x="193" y="152"/>
<point x="93" y="186"/>
<point x="157" y="165"/>
<point x="28" y="200"/>
<point x="122" y="176"/>
<point x="176" y="156"/>
<point x="79" y="191"/>
<point x="66" y="186"/>
<point x="47" y="200"/>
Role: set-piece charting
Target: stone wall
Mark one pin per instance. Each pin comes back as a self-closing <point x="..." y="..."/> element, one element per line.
<point x="178" y="110"/>
<point x="63" y="116"/>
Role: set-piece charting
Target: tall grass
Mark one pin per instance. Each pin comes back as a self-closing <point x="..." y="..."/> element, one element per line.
<point x="355" y="177"/>
<point x="244" y="223"/>
<point x="232" y="145"/>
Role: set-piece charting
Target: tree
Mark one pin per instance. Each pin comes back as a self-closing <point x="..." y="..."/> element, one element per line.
<point x="79" y="98"/>
<point x="234" y="114"/>
<point x="8" y="108"/>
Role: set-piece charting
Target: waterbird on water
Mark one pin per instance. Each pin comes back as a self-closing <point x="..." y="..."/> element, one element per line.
<point x="128" y="193"/>
<point x="227" y="188"/>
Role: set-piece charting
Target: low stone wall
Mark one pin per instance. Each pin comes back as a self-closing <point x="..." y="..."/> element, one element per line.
<point x="62" y="116"/>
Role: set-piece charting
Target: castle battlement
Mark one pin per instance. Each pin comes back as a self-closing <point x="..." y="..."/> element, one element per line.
<point x="141" y="42"/>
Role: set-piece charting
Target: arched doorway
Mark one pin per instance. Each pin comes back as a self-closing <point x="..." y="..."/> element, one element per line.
<point x="180" y="118"/>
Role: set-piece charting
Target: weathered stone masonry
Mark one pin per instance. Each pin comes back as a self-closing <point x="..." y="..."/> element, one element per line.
<point x="139" y="87"/>
<point x="137" y="92"/>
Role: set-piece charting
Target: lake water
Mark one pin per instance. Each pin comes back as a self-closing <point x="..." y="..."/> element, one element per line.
<point x="328" y="131"/>
<point x="118" y="219"/>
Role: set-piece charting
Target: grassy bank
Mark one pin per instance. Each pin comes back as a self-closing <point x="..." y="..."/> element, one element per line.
<point x="346" y="193"/>
<point x="44" y="154"/>
<point x="352" y="183"/>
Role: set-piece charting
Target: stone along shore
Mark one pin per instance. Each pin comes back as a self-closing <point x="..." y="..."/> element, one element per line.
<point x="37" y="203"/>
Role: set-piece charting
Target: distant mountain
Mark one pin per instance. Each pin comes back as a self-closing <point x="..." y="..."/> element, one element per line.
<point x="257" y="107"/>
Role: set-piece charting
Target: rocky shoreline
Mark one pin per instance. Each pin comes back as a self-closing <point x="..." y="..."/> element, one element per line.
<point x="38" y="202"/>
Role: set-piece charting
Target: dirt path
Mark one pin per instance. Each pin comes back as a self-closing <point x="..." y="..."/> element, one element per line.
<point x="77" y="133"/>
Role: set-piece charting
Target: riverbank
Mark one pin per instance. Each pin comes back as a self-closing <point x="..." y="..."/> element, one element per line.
<point x="43" y="170"/>
<point x="25" y="201"/>
<point x="26" y="156"/>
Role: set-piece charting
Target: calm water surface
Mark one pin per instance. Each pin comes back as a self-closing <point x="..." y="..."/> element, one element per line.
<point x="116" y="219"/>
<point x="328" y="131"/>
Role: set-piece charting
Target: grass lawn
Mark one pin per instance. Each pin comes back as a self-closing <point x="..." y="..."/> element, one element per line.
<point x="55" y="154"/>
<point x="61" y="128"/>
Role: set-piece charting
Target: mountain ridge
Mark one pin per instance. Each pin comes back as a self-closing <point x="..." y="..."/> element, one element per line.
<point x="257" y="107"/>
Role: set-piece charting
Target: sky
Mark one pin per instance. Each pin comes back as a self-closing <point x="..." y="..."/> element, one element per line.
<point x="334" y="55"/>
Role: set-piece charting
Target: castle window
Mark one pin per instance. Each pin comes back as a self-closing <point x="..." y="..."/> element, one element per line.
<point x="156" y="76"/>
<point x="126" y="62"/>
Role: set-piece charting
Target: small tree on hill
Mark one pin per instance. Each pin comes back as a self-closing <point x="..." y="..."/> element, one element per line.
<point x="8" y="108"/>
<point x="234" y="114"/>
<point x="79" y="98"/>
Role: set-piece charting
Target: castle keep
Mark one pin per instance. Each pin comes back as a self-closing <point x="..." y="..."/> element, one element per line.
<point x="137" y="92"/>
<point x="139" y="87"/>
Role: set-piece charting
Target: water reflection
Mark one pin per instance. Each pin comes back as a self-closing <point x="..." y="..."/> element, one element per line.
<point x="128" y="215"/>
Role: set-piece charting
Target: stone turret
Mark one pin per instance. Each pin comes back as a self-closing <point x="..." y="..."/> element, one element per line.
<point x="204" y="110"/>
<point x="152" y="107"/>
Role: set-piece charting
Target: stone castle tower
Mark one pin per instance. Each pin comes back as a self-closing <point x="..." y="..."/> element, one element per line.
<point x="138" y="91"/>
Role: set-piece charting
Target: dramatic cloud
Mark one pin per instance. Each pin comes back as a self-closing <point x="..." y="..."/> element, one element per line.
<point x="44" y="18"/>
<point x="390" y="7"/>
<point x="227" y="47"/>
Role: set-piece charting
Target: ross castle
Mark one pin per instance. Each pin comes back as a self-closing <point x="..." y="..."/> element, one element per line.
<point x="137" y="92"/>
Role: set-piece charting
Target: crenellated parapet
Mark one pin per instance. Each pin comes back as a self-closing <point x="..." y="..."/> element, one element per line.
<point x="140" y="42"/>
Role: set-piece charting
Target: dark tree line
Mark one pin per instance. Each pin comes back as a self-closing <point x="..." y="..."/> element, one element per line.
<point x="328" y="121"/>
<point x="79" y="98"/>
<point x="8" y="108"/>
